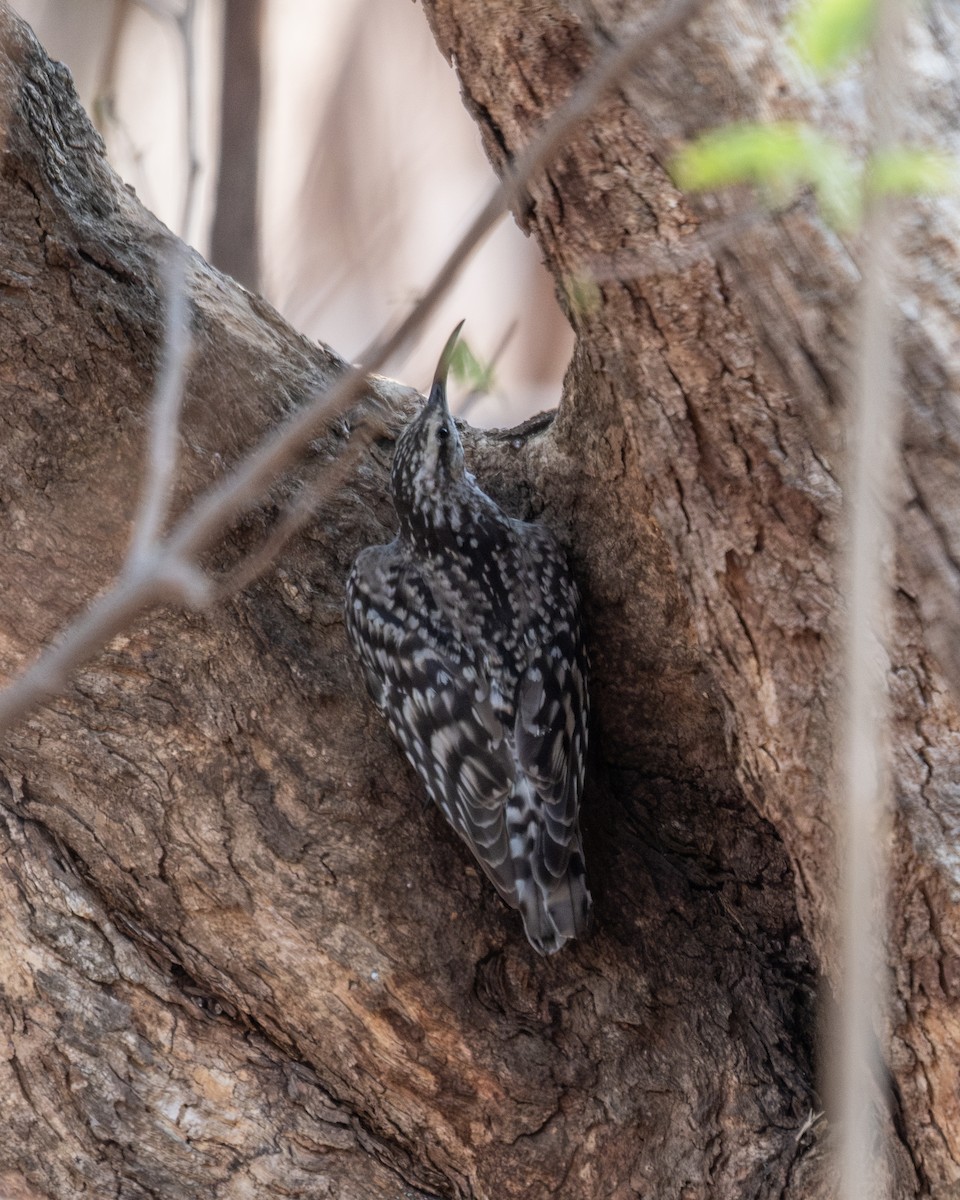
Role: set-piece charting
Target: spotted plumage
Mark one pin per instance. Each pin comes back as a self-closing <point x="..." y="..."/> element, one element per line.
<point x="467" y="626"/>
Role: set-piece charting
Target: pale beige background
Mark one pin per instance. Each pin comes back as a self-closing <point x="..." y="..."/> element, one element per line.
<point x="370" y="170"/>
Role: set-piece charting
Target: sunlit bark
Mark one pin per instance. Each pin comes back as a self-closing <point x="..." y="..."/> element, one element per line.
<point x="236" y="957"/>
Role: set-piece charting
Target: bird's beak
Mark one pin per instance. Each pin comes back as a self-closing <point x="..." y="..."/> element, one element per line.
<point x="438" y="389"/>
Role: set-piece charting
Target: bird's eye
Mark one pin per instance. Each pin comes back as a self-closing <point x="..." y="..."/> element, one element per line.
<point x="443" y="432"/>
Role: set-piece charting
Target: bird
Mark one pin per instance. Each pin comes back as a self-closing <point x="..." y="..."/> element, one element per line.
<point x="468" y="630"/>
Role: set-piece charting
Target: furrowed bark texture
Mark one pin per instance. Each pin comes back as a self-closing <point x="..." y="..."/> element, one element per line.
<point x="236" y="958"/>
<point x="714" y="374"/>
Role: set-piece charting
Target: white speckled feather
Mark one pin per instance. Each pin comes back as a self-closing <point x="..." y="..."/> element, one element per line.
<point x="468" y="629"/>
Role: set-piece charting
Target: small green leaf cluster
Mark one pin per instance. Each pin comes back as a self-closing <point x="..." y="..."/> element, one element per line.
<point x="826" y="33"/>
<point x="467" y="369"/>
<point x="780" y="157"/>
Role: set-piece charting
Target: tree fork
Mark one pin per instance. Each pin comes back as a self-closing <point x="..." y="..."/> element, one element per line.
<point x="212" y="812"/>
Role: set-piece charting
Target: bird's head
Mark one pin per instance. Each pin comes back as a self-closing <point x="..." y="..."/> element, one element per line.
<point x="428" y="461"/>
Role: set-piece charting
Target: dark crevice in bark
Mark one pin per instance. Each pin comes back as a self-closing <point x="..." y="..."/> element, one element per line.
<point x="221" y="781"/>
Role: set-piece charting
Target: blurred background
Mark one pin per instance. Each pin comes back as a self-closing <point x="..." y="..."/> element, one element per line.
<point x="320" y="154"/>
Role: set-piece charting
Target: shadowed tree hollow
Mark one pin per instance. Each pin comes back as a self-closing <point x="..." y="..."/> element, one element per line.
<point x="237" y="959"/>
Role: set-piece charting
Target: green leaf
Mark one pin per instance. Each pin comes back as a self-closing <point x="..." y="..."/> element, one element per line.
<point x="910" y="172"/>
<point x="766" y="154"/>
<point x="467" y="369"/>
<point x="826" y="32"/>
<point x="778" y="157"/>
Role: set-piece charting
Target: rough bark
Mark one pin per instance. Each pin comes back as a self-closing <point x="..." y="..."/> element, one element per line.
<point x="718" y="374"/>
<point x="237" y="958"/>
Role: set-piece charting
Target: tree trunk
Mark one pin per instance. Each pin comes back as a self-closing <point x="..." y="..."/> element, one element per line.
<point x="235" y="231"/>
<point x="236" y="957"/>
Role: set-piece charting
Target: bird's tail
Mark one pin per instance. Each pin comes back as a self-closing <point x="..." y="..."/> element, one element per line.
<point x="558" y="911"/>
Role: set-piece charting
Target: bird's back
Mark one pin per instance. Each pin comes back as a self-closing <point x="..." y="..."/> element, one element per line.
<point x="468" y="629"/>
<point x="475" y="657"/>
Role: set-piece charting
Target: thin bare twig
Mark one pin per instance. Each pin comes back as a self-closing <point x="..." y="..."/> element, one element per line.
<point x="297" y="514"/>
<point x="476" y="394"/>
<point x="150" y="575"/>
<point x="107" y="616"/>
<point x="184" y="22"/>
<point x="170" y="572"/>
<point x="164" y="435"/>
<point x="873" y="440"/>
<point x="215" y="510"/>
<point x="104" y="99"/>
<point x="235" y="227"/>
<point x="106" y="115"/>
<point x="169" y="12"/>
<point x="612" y="68"/>
<point x="303" y="508"/>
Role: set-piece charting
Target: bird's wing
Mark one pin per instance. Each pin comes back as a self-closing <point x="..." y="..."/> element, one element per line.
<point x="438" y="705"/>
<point x="506" y="772"/>
<point x="551" y="741"/>
<point x="551" y="705"/>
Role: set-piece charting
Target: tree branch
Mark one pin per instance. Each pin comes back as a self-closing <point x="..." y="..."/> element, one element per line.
<point x="170" y="571"/>
<point x="161" y="465"/>
<point x="873" y="439"/>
